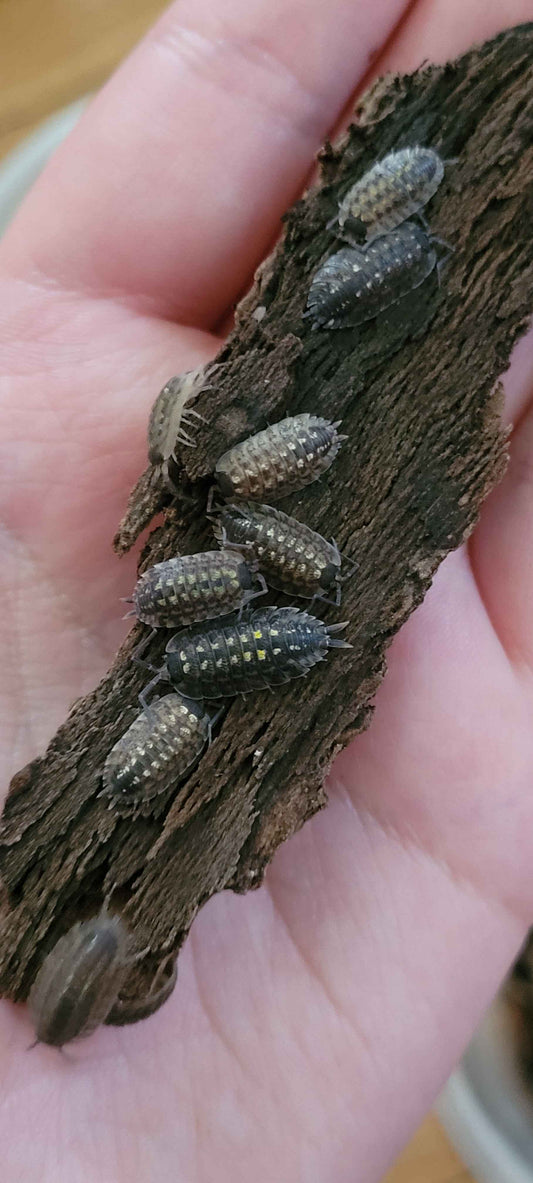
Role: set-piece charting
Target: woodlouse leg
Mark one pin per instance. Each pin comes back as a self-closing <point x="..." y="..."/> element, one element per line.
<point x="253" y="595"/>
<point x="161" y="676"/>
<point x="140" y="648"/>
<point x="212" y="724"/>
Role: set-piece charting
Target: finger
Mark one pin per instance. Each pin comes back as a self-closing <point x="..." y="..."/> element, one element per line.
<point x="502" y="551"/>
<point x="438" y="30"/>
<point x="172" y="186"/>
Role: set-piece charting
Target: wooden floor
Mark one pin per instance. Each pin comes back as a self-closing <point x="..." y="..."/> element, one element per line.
<point x="52" y="53"/>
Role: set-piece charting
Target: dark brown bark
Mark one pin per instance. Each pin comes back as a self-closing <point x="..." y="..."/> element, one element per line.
<point x="416" y="392"/>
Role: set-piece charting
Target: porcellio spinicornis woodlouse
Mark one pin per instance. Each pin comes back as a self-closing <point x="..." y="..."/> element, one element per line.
<point x="357" y="283"/>
<point x="293" y="558"/>
<point x="391" y="191"/>
<point x="195" y="587"/>
<point x="279" y="460"/>
<point x="79" y="980"/>
<point x="266" y="648"/>
<point x="156" y="750"/>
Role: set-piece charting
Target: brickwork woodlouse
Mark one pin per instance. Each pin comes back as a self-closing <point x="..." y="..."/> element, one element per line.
<point x="291" y="556"/>
<point x="391" y="191"/>
<point x="279" y="460"/>
<point x="195" y="587"/>
<point x="154" y="753"/>
<point x="79" y="980"/>
<point x="357" y="283"/>
<point x="265" y="648"/>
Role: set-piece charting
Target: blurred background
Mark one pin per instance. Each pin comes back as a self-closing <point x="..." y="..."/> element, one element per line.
<point x="53" y="55"/>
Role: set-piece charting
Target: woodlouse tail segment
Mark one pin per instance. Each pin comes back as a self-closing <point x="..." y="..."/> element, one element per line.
<point x="337" y="643"/>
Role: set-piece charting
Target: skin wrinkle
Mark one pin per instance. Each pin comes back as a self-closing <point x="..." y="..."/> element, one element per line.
<point x="315" y="973"/>
<point x="214" y="60"/>
<point x="415" y="844"/>
<point x="211" y="1015"/>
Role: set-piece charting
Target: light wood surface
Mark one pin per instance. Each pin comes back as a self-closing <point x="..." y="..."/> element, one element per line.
<point x="51" y="53"/>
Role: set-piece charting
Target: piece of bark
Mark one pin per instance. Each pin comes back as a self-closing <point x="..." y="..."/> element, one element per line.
<point x="416" y="392"/>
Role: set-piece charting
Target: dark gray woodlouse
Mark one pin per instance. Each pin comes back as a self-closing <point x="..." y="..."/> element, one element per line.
<point x="154" y="753"/>
<point x="79" y="980"/>
<point x="279" y="460"/>
<point x="358" y="283"/>
<point x="267" y="648"/>
<point x="293" y="558"/>
<point x="169" y="415"/>
<point x="391" y="191"/>
<point x="195" y="587"/>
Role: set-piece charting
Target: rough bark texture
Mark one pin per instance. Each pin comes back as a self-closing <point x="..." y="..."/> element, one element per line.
<point x="415" y="390"/>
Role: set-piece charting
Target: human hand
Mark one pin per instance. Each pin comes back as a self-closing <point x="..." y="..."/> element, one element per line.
<point x="313" y="1021"/>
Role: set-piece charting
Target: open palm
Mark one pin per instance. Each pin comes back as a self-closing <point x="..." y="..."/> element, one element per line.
<point x="314" y="1021"/>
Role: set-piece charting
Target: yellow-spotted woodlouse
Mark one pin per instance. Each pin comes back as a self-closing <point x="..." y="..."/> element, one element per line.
<point x="266" y="648"/>
<point x="391" y="191"/>
<point x="154" y="753"/>
<point x="292" y="557"/>
<point x="279" y="460"/>
<point x="79" y="980"/>
<point x="195" y="587"/>
<point x="357" y="283"/>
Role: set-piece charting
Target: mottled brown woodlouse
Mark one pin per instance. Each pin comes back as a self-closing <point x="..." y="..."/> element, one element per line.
<point x="391" y="191"/>
<point x="79" y="980"/>
<point x="154" y="753"/>
<point x="279" y="460"/>
<point x="195" y="587"/>
<point x="132" y="1010"/>
<point x="293" y="558"/>
<point x="357" y="283"/>
<point x="266" y="648"/>
<point x="169" y="415"/>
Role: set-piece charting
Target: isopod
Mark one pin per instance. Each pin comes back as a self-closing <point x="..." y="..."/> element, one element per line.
<point x="195" y="587"/>
<point x="132" y="1010"/>
<point x="357" y="283"/>
<point x="169" y="415"/>
<point x="267" y="648"/>
<point x="154" y="753"/>
<point x="79" y="980"/>
<point x="293" y="558"/>
<point x="279" y="460"/>
<point x="391" y="191"/>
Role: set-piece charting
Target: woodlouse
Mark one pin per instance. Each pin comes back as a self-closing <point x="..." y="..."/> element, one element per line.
<point x="154" y="753"/>
<point x="267" y="648"/>
<point x="357" y="283"/>
<point x="195" y="587"/>
<point x="279" y="460"/>
<point x="169" y="414"/>
<point x="79" y="980"/>
<point x="294" y="558"/>
<point x="132" y="1010"/>
<point x="391" y="191"/>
